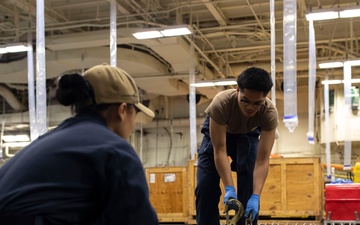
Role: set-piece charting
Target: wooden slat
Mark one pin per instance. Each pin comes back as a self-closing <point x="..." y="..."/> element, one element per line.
<point x="271" y="197"/>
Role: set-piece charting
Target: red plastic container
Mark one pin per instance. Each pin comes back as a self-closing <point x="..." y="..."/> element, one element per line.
<point x="343" y="201"/>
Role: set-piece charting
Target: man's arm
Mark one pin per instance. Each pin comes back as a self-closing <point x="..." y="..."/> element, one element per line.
<point x="266" y="143"/>
<point x="218" y="138"/>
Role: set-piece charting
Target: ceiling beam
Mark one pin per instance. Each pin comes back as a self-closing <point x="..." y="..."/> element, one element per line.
<point x="28" y="7"/>
<point x="257" y="18"/>
<point x="216" y="12"/>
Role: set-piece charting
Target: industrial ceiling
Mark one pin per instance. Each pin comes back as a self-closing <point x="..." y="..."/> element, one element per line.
<point x="228" y="36"/>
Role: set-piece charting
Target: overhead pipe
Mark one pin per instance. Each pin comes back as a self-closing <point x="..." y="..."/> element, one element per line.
<point x="257" y="18"/>
<point x="347" y="112"/>
<point x="290" y="84"/>
<point x="206" y="57"/>
<point x="31" y="89"/>
<point x="10" y="98"/>
<point x="299" y="44"/>
<point x="186" y="5"/>
<point x="272" y="51"/>
<point x="41" y="101"/>
<point x="311" y="82"/>
<point x="327" y="128"/>
<point x="113" y="33"/>
<point x="62" y="27"/>
<point x="211" y="45"/>
<point x="192" y="95"/>
<point x="215" y="12"/>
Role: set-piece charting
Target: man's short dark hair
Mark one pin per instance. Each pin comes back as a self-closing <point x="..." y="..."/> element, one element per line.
<point x="255" y="78"/>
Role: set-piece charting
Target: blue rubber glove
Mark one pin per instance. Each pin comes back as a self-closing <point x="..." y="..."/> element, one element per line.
<point x="252" y="206"/>
<point x="230" y="193"/>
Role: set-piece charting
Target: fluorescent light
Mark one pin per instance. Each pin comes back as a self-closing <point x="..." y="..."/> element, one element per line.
<point x="13" y="48"/>
<point x="330" y="65"/>
<point x="15" y="138"/>
<point x="327" y="65"/>
<point x="203" y="84"/>
<point x="175" y="31"/>
<point x="326" y="15"/>
<point x="225" y="83"/>
<point x="348" y="13"/>
<point x="334" y="13"/>
<point x="331" y="82"/>
<point x="17" y="48"/>
<point x="16" y="144"/>
<point x="339" y="81"/>
<point x="213" y="83"/>
<point x="354" y="62"/>
<point x="352" y="95"/>
<point x="163" y="32"/>
<point x="147" y="34"/>
<point x="355" y="80"/>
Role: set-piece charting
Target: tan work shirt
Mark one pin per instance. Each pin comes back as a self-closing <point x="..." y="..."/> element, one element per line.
<point x="225" y="110"/>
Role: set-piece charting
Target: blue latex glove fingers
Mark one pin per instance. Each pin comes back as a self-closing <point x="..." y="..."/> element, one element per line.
<point x="230" y="193"/>
<point x="252" y="206"/>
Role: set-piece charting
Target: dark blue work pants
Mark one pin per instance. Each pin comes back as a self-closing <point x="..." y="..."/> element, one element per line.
<point x="242" y="149"/>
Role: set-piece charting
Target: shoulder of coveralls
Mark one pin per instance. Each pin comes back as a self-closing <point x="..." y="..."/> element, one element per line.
<point x="98" y="135"/>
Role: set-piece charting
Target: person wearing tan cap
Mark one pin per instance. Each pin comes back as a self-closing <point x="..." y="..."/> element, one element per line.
<point x="83" y="172"/>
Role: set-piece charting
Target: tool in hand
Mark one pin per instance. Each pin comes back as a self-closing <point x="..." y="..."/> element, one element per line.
<point x="236" y="205"/>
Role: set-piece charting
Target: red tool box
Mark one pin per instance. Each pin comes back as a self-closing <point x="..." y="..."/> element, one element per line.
<point x="342" y="201"/>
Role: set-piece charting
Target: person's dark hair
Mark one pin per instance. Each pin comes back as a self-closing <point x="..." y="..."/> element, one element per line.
<point x="74" y="90"/>
<point x="255" y="78"/>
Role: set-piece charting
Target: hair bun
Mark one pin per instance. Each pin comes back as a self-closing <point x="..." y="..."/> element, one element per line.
<point x="72" y="89"/>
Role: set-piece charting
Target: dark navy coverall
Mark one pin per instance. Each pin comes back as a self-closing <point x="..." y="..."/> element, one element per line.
<point x="242" y="149"/>
<point x="81" y="173"/>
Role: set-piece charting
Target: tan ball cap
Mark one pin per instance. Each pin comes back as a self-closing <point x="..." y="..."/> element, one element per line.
<point x="114" y="85"/>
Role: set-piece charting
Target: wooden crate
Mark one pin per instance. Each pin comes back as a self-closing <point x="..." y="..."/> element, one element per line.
<point x="294" y="188"/>
<point x="168" y="192"/>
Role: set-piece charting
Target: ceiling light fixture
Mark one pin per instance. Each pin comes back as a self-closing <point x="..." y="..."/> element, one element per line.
<point x="17" y="144"/>
<point x="225" y="83"/>
<point x="348" y="13"/>
<point x="353" y="62"/>
<point x="214" y="83"/>
<point x="338" y="64"/>
<point x="175" y="31"/>
<point x="334" y="13"/>
<point x="339" y="81"/>
<point x="16" y="138"/>
<point x="148" y="34"/>
<point x="163" y="32"/>
<point x="11" y="48"/>
<point x="327" y="65"/>
<point x="325" y="15"/>
<point x="203" y="84"/>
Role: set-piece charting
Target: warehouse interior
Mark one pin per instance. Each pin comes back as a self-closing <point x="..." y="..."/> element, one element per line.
<point x="228" y="36"/>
